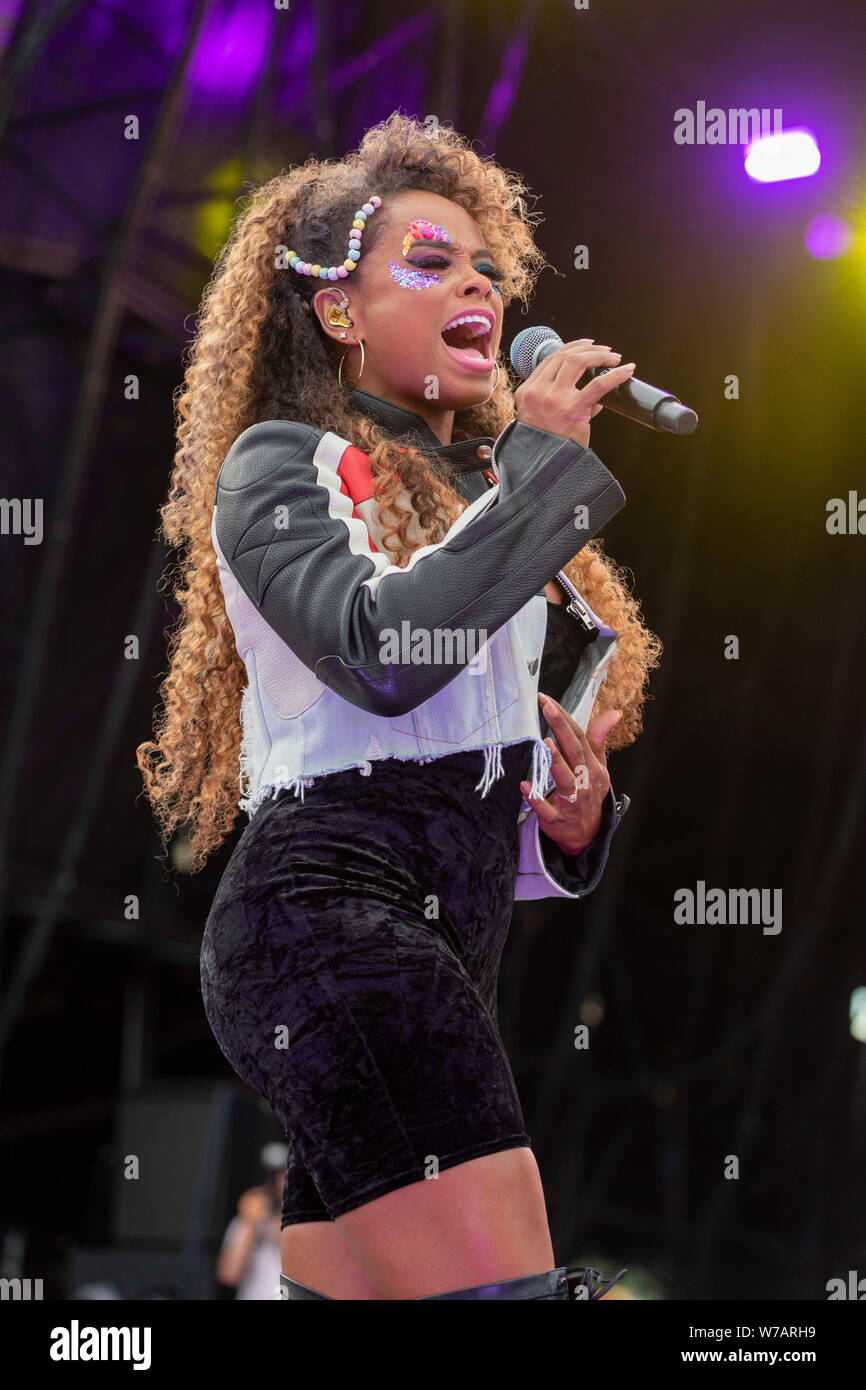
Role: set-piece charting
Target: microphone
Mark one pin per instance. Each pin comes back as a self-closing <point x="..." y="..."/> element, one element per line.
<point x="647" y="405"/>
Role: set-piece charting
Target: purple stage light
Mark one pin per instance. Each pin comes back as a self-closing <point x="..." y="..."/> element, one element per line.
<point x="827" y="236"/>
<point x="9" y="13"/>
<point x="231" y="50"/>
<point x="792" y="154"/>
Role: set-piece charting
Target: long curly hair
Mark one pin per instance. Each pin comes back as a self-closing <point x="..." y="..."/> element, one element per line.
<point x="259" y="354"/>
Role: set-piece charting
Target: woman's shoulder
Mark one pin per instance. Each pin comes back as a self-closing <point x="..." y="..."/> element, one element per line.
<point x="266" y="432"/>
<point x="275" y="456"/>
<point x="262" y="447"/>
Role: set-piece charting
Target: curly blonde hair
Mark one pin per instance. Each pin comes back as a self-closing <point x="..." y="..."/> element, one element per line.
<point x="258" y="355"/>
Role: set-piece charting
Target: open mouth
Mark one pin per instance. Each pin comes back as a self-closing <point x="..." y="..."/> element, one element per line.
<point x="467" y="338"/>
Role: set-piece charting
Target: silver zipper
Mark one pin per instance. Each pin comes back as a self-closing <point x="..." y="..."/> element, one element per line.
<point x="577" y="608"/>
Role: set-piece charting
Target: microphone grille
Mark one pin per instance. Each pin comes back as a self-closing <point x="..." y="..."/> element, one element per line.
<point x="524" y="349"/>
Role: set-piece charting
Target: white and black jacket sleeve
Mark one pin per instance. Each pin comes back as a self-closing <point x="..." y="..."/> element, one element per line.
<point x="544" y="871"/>
<point x="285" y="527"/>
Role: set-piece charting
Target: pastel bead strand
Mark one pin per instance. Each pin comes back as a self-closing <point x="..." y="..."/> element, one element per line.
<point x="353" y="253"/>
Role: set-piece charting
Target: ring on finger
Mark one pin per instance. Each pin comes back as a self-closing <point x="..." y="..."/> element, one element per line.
<point x="571" y="799"/>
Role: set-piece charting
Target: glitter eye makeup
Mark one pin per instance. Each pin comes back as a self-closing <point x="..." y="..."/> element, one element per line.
<point x="412" y="279"/>
<point x="422" y="230"/>
<point x="419" y="231"/>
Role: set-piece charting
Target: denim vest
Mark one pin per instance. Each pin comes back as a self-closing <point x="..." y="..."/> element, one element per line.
<point x="295" y="728"/>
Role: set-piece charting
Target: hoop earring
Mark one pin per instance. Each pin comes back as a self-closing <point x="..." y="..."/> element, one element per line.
<point x="342" y="360"/>
<point x="495" y="387"/>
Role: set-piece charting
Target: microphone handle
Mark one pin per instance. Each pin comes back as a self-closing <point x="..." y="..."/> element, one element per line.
<point x="646" y="405"/>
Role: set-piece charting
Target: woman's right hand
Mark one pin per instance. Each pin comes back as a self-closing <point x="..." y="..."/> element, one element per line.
<point x="550" y="399"/>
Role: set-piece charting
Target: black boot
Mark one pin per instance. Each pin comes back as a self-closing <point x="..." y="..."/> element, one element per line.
<point x="290" y="1288"/>
<point x="552" y="1285"/>
<point x="585" y="1283"/>
<point x="582" y="1285"/>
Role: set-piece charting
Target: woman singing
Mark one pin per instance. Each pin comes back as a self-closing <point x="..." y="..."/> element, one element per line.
<point x="373" y="647"/>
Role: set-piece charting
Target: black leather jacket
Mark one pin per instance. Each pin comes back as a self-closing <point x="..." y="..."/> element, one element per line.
<point x="309" y="598"/>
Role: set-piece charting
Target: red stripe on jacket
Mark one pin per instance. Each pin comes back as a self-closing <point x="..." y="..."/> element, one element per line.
<point x="356" y="481"/>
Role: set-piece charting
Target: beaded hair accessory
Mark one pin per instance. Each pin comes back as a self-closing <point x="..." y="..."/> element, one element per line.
<point x="353" y="255"/>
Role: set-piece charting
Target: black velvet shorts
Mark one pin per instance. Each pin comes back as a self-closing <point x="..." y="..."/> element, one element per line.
<point x="349" y="968"/>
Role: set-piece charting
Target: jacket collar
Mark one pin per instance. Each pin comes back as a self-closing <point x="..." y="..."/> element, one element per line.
<point x="466" y="456"/>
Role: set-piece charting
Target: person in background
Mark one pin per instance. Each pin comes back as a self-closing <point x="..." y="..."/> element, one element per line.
<point x="249" y="1257"/>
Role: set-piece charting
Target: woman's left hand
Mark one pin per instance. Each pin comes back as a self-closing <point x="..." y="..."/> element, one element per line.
<point x="573" y="824"/>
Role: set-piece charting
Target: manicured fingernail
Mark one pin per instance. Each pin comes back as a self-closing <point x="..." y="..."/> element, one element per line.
<point x="548" y="711"/>
<point x="524" y="787"/>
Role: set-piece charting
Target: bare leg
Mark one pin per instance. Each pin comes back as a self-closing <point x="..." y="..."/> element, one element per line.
<point x="477" y="1223"/>
<point x="315" y="1253"/>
